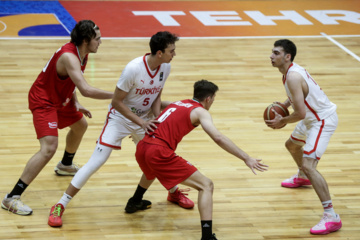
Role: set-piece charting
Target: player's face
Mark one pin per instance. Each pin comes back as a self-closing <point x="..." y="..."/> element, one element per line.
<point x="95" y="42"/>
<point x="168" y="54"/>
<point x="278" y="57"/>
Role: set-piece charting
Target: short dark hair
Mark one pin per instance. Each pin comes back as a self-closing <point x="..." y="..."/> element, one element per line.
<point x="161" y="40"/>
<point x="204" y="89"/>
<point x="288" y="46"/>
<point x="83" y="30"/>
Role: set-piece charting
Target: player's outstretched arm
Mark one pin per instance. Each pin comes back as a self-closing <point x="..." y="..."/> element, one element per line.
<point x="225" y="143"/>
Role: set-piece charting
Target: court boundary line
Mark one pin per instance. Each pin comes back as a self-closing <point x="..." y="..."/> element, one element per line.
<point x="341" y="46"/>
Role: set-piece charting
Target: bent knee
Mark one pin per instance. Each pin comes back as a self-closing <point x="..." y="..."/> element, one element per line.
<point x="49" y="150"/>
<point x="208" y="185"/>
<point x="291" y="146"/>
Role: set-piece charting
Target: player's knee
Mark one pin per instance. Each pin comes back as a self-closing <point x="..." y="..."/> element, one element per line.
<point x="208" y="185"/>
<point x="291" y="147"/>
<point x="82" y="126"/>
<point x="49" y="150"/>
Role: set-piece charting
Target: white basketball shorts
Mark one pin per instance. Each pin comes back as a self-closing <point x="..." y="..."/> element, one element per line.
<point x="115" y="129"/>
<point x="315" y="136"/>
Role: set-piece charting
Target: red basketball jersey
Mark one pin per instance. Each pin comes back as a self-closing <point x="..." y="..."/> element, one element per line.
<point x="175" y="123"/>
<point x="49" y="90"/>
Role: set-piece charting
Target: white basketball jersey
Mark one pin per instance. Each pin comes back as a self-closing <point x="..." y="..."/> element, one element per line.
<point x="318" y="105"/>
<point x="142" y="84"/>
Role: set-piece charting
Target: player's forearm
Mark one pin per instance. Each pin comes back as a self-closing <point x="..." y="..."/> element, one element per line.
<point x="156" y="107"/>
<point x="229" y="146"/>
<point x="96" y="93"/>
<point x="126" y="112"/>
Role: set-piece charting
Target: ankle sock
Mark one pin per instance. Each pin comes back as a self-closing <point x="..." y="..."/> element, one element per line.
<point x="172" y="190"/>
<point x="206" y="229"/>
<point x="328" y="207"/>
<point x="139" y="193"/>
<point x="67" y="159"/>
<point x="65" y="199"/>
<point x="18" y="189"/>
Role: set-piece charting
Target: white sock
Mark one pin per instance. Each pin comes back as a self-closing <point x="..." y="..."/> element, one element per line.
<point x="173" y="189"/>
<point x="65" y="199"/>
<point x="328" y="207"/>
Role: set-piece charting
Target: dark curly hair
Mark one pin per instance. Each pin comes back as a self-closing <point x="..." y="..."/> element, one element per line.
<point x="83" y="30"/>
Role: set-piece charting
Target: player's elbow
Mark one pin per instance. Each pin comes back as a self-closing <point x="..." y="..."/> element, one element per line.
<point x="302" y="115"/>
<point x="218" y="139"/>
<point x="86" y="92"/>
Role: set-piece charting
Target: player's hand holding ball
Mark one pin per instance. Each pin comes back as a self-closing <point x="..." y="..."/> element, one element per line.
<point x="274" y="113"/>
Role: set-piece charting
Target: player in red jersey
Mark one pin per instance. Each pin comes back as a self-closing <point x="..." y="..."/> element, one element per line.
<point x="156" y="156"/>
<point x="53" y="103"/>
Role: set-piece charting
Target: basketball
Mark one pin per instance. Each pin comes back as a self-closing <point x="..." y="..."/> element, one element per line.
<point x="279" y="108"/>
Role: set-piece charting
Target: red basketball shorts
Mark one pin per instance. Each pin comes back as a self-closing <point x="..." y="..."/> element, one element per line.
<point x="48" y="120"/>
<point x="162" y="163"/>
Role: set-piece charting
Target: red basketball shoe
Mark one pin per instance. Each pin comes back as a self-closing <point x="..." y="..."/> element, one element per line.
<point x="55" y="215"/>
<point x="179" y="197"/>
<point x="295" y="181"/>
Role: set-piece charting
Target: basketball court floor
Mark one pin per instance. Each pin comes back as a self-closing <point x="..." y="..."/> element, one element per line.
<point x="227" y="42"/>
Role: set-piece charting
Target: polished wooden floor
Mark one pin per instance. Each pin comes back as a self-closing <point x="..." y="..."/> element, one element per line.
<point x="245" y="206"/>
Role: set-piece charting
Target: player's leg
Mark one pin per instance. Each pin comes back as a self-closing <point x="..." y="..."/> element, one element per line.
<point x="330" y="221"/>
<point x="175" y="194"/>
<point x="205" y="201"/>
<point x="294" y="145"/>
<point x="47" y="135"/>
<point x="110" y="138"/>
<point x="100" y="155"/>
<point x="33" y="167"/>
<point x="77" y="123"/>
<point x="136" y="202"/>
<point x="318" y="139"/>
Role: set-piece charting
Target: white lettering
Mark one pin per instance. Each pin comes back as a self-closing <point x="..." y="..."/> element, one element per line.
<point x="287" y="15"/>
<point x="323" y="16"/>
<point x="209" y="18"/>
<point x="164" y="17"/>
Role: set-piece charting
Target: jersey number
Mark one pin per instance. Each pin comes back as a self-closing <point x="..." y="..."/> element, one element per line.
<point x="166" y="114"/>
<point x="146" y="102"/>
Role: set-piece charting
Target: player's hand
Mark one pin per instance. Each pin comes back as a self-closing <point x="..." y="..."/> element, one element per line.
<point x="254" y="163"/>
<point x="276" y="122"/>
<point x="83" y="110"/>
<point x="150" y="125"/>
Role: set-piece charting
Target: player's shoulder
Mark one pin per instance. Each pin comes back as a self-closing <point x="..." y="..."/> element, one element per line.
<point x="135" y="64"/>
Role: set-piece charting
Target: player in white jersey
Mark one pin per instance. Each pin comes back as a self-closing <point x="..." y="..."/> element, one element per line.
<point x="136" y="101"/>
<point x="317" y="121"/>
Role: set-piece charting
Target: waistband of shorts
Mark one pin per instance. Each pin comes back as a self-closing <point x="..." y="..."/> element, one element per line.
<point x="154" y="140"/>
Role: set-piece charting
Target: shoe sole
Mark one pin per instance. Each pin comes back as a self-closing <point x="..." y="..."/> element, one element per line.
<point x="63" y="173"/>
<point x="127" y="210"/>
<point x="181" y="205"/>
<point x="132" y="211"/>
<point x="326" y="232"/>
<point x="53" y="225"/>
<point x="15" y="212"/>
<point x="294" y="185"/>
